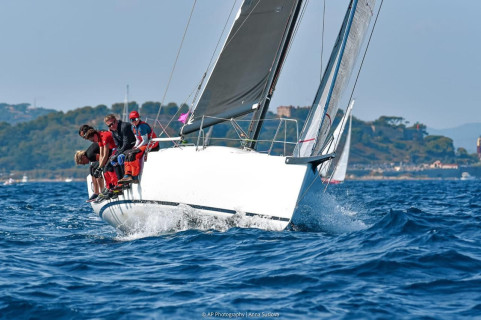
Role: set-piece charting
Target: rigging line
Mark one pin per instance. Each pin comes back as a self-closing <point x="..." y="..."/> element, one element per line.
<point x="199" y="86"/>
<point x="175" y="63"/>
<point x="331" y="141"/>
<point x="176" y="113"/>
<point x="304" y="6"/>
<point x="220" y="37"/>
<point x="288" y="50"/>
<point x="328" y="182"/>
<point x="213" y="54"/>
<point x="365" y="52"/>
<point x="322" y="38"/>
<point x="284" y="53"/>
<point x="362" y="61"/>
<point x="334" y="69"/>
<point x="350" y="14"/>
<point x="309" y="187"/>
<point x="337" y="163"/>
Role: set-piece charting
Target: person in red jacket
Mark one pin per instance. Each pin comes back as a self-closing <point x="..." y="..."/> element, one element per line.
<point x="143" y="140"/>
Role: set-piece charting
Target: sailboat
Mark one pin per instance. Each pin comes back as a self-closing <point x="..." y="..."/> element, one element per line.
<point x="9" y="182"/>
<point x="339" y="173"/>
<point x="221" y="181"/>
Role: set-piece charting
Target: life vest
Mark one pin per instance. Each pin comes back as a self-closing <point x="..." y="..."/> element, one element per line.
<point x="150" y="134"/>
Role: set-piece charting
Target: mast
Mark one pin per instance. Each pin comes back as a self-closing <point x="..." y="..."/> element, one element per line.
<point x="259" y="115"/>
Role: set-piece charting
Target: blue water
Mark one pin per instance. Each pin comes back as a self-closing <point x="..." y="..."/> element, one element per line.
<point x="374" y="250"/>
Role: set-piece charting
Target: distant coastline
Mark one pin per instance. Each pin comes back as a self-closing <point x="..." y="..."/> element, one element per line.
<point x="388" y="146"/>
<point x="348" y="178"/>
<point x="400" y="178"/>
<point x="44" y="180"/>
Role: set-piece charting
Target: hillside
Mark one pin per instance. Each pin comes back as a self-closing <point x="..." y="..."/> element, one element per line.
<point x="464" y="136"/>
<point x="44" y="147"/>
<point x="388" y="139"/>
<point x="23" y="112"/>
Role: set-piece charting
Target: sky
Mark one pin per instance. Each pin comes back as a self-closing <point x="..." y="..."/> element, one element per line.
<point x="422" y="63"/>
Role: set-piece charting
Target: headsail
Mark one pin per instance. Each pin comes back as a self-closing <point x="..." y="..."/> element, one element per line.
<point x="244" y="70"/>
<point x="335" y="78"/>
<point x="341" y="168"/>
<point x="333" y="143"/>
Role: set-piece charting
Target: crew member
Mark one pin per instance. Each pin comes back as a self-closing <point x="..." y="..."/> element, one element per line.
<point x="106" y="145"/>
<point x="91" y="155"/>
<point x="143" y="135"/>
<point x="124" y="139"/>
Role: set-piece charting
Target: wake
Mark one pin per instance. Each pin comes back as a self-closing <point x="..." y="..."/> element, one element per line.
<point x="320" y="212"/>
<point x="184" y="218"/>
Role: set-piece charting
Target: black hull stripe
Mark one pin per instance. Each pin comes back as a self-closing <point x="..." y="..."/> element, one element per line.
<point x="175" y="204"/>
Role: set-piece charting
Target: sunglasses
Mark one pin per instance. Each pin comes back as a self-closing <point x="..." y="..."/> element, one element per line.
<point x="110" y="125"/>
<point x="134" y="119"/>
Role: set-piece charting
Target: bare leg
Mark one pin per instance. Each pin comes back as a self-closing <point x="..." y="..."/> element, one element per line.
<point x="101" y="183"/>
<point x="98" y="184"/>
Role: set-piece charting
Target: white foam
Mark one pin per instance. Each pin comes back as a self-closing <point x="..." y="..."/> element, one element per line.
<point x="184" y="218"/>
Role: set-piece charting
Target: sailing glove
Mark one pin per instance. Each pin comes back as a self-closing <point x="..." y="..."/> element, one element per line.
<point x="98" y="172"/>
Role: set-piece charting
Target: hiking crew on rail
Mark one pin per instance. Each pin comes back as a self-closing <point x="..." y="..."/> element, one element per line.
<point x="143" y="136"/>
<point x="124" y="138"/>
<point x="122" y="148"/>
<point x="91" y="156"/>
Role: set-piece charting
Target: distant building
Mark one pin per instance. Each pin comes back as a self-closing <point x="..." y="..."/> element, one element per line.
<point x="284" y="111"/>
<point x="439" y="165"/>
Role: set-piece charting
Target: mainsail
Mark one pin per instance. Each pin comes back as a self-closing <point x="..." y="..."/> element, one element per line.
<point x="335" y="78"/>
<point x="240" y="80"/>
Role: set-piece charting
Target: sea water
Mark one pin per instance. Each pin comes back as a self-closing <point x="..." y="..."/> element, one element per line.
<point x="372" y="250"/>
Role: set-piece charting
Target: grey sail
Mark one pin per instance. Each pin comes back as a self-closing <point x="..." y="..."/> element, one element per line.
<point x="335" y="78"/>
<point x="244" y="70"/>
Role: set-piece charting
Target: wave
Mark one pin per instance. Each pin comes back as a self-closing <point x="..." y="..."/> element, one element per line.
<point x="322" y="212"/>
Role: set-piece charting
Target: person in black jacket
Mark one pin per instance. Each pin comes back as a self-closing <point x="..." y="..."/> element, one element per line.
<point x="91" y="155"/>
<point x="124" y="139"/>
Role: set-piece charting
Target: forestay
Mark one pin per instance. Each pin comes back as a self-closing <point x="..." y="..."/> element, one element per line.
<point x="241" y="77"/>
<point x="335" y="78"/>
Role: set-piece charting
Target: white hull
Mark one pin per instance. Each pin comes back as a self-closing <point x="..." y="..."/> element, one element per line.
<point x="217" y="182"/>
